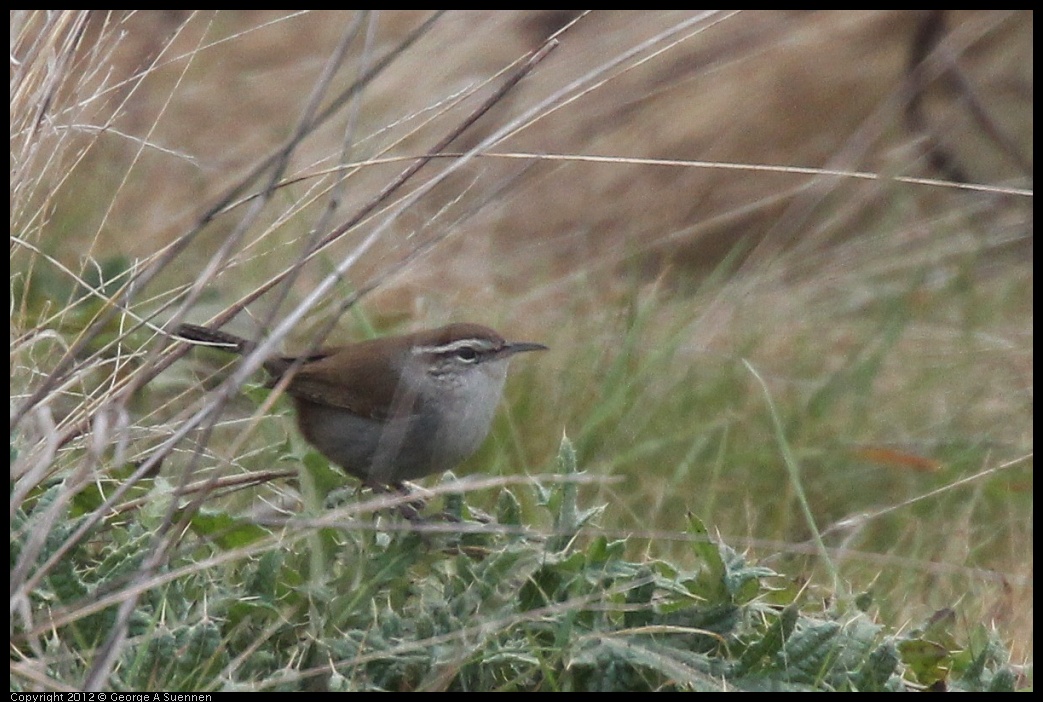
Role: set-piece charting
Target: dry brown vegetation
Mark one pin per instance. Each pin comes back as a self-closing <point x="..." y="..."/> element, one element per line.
<point x="842" y="199"/>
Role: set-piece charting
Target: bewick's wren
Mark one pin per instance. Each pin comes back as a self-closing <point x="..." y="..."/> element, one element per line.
<point x="396" y="408"/>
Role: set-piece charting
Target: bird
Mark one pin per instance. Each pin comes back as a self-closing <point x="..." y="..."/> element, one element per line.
<point x="395" y="408"/>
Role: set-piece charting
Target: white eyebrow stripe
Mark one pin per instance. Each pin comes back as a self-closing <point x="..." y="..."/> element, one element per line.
<point x="479" y="345"/>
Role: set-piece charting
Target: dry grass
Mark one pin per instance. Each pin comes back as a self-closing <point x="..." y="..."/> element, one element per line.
<point x="890" y="317"/>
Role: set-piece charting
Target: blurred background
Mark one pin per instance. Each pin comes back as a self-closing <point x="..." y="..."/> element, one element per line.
<point x="680" y="204"/>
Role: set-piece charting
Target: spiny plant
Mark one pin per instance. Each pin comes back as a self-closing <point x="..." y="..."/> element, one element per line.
<point x="339" y="601"/>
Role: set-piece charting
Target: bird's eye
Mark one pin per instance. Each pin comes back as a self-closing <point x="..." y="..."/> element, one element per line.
<point x="466" y="353"/>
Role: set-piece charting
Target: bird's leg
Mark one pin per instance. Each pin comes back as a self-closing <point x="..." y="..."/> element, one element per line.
<point x="410" y="510"/>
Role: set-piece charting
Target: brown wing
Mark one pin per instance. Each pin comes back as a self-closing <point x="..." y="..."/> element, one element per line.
<point x="351" y="378"/>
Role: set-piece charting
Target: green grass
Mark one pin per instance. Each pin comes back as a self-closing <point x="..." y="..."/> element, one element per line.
<point x="338" y="600"/>
<point x="802" y="466"/>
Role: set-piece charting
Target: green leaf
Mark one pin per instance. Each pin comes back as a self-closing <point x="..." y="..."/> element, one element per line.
<point x="227" y="531"/>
